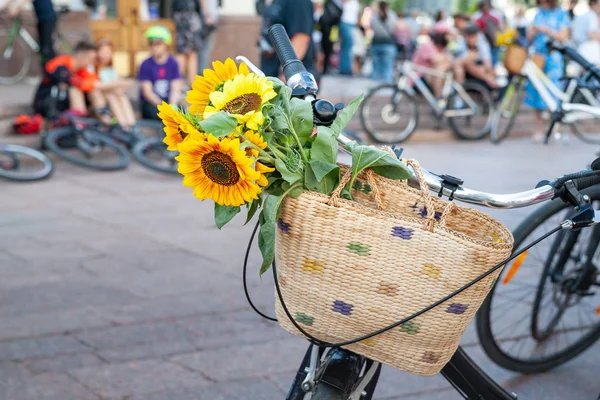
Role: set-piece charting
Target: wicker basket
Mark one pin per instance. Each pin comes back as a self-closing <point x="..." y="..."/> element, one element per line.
<point x="515" y="58"/>
<point x="349" y="268"/>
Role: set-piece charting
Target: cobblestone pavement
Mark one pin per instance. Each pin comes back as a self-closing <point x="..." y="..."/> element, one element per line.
<point x="118" y="286"/>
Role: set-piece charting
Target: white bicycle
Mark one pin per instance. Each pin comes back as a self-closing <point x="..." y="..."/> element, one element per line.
<point x="576" y="107"/>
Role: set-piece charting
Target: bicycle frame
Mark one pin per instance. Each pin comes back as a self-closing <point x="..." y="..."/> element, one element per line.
<point x="411" y="72"/>
<point x="15" y="31"/>
<point x="557" y="100"/>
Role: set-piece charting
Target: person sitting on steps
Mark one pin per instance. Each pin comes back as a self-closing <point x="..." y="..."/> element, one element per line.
<point x="73" y="73"/>
<point x="159" y="76"/>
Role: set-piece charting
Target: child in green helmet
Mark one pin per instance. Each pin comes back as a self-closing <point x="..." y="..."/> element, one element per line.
<point x="159" y="76"/>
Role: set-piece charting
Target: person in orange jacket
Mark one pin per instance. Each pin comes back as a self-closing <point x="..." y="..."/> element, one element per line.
<point x="75" y="74"/>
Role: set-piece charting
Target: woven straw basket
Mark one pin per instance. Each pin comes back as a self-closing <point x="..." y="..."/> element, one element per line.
<point x="515" y="57"/>
<point x="349" y="268"/>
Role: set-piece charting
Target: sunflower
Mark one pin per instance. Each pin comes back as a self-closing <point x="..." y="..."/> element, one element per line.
<point x="262" y="181"/>
<point x="257" y="140"/>
<point x="211" y="81"/>
<point x="218" y="170"/>
<point x="243" y="97"/>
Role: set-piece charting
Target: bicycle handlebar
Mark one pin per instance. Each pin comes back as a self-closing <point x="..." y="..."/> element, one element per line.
<point x="574" y="55"/>
<point x="287" y="56"/>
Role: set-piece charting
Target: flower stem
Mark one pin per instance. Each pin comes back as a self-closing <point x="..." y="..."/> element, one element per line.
<point x="293" y="131"/>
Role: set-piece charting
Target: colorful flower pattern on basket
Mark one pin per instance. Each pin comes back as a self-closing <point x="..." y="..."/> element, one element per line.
<point x="496" y="238"/>
<point x="362" y="187"/>
<point x="431" y="357"/>
<point x="422" y="211"/>
<point x="410" y="327"/>
<point x="212" y="80"/>
<point x="358" y="248"/>
<point x="369" y="342"/>
<point x="313" y="266"/>
<point x="283" y="226"/>
<point x="403" y="233"/>
<point x="243" y="97"/>
<point x="457" y="308"/>
<point x="342" y="308"/>
<point x="388" y="289"/>
<point x="305" y="319"/>
<point x="431" y="270"/>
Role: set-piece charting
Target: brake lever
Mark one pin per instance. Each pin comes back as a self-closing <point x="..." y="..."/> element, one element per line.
<point x="250" y="65"/>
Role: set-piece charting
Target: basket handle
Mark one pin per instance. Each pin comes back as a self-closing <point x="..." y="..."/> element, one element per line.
<point x="345" y="179"/>
<point x="429" y="221"/>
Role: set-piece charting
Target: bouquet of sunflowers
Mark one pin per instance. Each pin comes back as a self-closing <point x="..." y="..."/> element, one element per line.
<point x="244" y="141"/>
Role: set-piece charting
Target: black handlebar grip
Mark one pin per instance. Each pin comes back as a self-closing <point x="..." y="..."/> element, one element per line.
<point x="584" y="183"/>
<point x="574" y="177"/>
<point x="285" y="52"/>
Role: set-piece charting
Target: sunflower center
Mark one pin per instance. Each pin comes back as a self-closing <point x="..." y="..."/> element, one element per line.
<point x="220" y="169"/>
<point x="243" y="104"/>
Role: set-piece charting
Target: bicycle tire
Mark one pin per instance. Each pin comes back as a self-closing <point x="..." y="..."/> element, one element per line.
<point x="483" y="320"/>
<point x="484" y="101"/>
<point x="323" y="391"/>
<point x="44" y="173"/>
<point x="376" y="135"/>
<point x="4" y="63"/>
<point x="143" y="147"/>
<point x="577" y="127"/>
<point x="511" y="100"/>
<point x="54" y="137"/>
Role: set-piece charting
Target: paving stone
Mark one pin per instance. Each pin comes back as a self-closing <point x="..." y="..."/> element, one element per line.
<point x="128" y="335"/>
<point x="43" y="347"/>
<point x="46" y="387"/>
<point x="138" y="377"/>
<point x="182" y="305"/>
<point x="250" y="360"/>
<point x="10" y="370"/>
<point x="63" y="294"/>
<point x="247" y="389"/>
<point x="63" y="363"/>
<point x="68" y="250"/>
<point x="57" y="322"/>
<point x="157" y="349"/>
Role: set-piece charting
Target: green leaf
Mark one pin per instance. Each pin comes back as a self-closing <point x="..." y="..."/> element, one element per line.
<point x="302" y="119"/>
<point x="219" y="124"/>
<point x="297" y="191"/>
<point x="327" y="183"/>
<point x="321" y="168"/>
<point x="286" y="174"/>
<point x="275" y="186"/>
<point x="325" y="147"/>
<point x="343" y="118"/>
<point x="224" y="214"/>
<point x="253" y="208"/>
<point x="382" y="162"/>
<point x="266" y="236"/>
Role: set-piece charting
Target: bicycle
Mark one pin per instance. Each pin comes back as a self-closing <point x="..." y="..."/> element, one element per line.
<point x="573" y="107"/>
<point x="334" y="373"/>
<point x="17" y="46"/>
<point x="468" y="107"/>
<point x="20" y="163"/>
<point x="89" y="143"/>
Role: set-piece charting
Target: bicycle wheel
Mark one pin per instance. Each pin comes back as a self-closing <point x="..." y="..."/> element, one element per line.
<point x="15" y="58"/>
<point x="22" y="163"/>
<point x="389" y="115"/>
<point x="474" y="125"/>
<point x="506" y="114"/>
<point x="87" y="148"/>
<point x="525" y="324"/>
<point x="152" y="153"/>
<point x="585" y="129"/>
